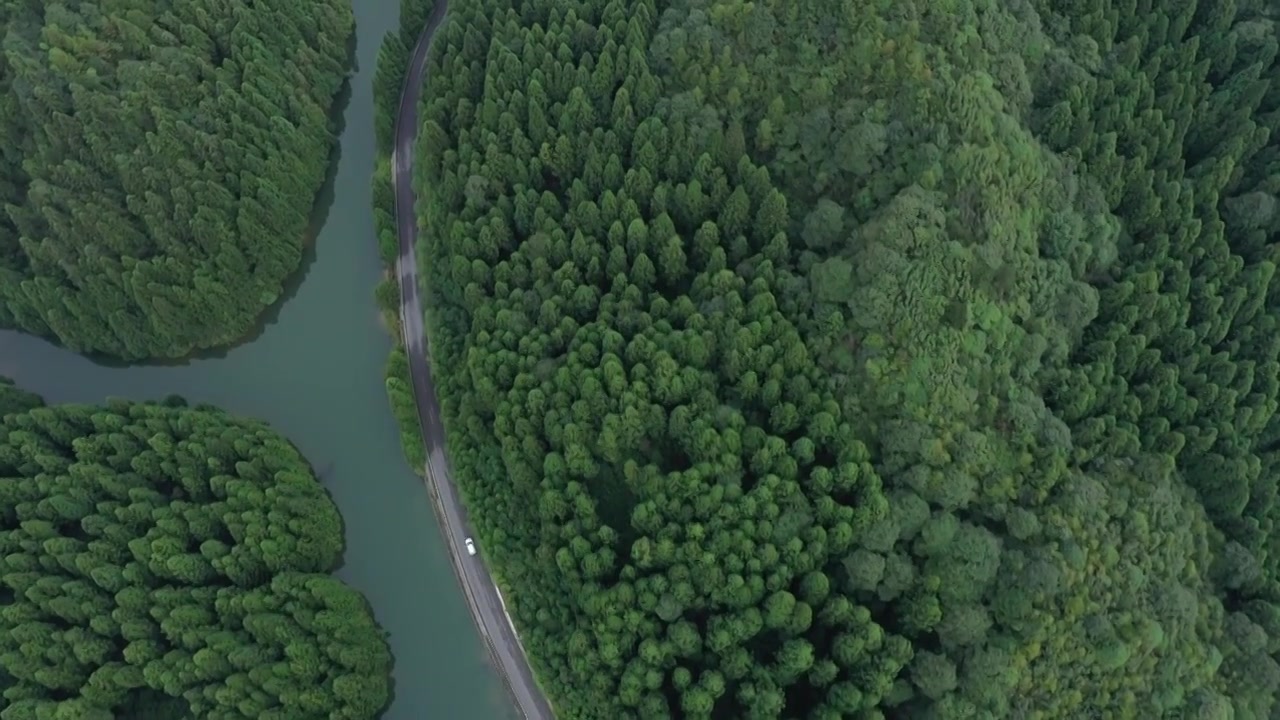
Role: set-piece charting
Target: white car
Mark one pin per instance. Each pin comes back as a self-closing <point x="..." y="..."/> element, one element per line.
<point x="471" y="547"/>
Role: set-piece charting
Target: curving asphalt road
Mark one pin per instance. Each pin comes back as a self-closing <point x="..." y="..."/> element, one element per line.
<point x="486" y="604"/>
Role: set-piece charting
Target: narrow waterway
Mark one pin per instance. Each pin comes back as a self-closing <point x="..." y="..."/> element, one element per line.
<point x="315" y="374"/>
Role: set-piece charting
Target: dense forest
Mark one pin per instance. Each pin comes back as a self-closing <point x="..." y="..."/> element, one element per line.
<point x="159" y="561"/>
<point x="860" y="359"/>
<point x="159" y="163"/>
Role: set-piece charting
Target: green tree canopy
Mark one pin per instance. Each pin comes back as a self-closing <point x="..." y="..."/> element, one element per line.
<point x="828" y="360"/>
<point x="158" y="164"/>
<point x="151" y="552"/>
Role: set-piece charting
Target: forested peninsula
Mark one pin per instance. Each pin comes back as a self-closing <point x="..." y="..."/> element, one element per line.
<point x="163" y="562"/>
<point x="856" y="359"/>
<point x="159" y="163"/>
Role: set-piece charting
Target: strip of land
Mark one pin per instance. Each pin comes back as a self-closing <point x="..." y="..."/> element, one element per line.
<point x="482" y="593"/>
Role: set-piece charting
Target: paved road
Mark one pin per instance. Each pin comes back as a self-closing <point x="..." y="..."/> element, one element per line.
<point x="482" y="595"/>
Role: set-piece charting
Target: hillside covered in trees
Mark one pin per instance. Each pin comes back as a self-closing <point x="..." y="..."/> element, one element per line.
<point x="853" y="359"/>
<point x="158" y="164"/>
<point x="162" y="562"/>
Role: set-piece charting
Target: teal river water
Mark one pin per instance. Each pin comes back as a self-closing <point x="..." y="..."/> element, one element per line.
<point x="315" y="374"/>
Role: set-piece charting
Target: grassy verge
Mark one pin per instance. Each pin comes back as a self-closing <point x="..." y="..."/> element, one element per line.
<point x="393" y="60"/>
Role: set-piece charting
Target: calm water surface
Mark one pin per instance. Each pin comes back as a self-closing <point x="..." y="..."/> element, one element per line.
<point x="315" y="374"/>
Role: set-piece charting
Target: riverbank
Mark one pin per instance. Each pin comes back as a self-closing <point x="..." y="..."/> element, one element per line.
<point x="394" y="57"/>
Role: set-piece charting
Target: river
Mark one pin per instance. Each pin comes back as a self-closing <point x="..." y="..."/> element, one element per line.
<point x="315" y="373"/>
